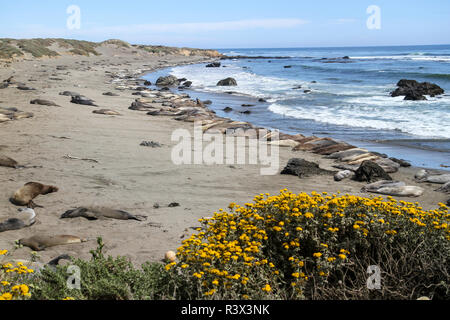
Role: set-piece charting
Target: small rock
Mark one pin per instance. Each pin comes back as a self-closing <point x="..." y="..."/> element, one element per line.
<point x="227" y="82"/>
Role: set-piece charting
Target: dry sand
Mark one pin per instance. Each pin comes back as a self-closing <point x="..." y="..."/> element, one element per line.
<point x="127" y="176"/>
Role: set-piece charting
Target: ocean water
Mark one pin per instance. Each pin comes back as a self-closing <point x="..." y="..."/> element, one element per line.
<point x="348" y="99"/>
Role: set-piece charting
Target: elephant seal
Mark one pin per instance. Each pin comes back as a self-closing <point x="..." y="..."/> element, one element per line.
<point x="83" y="101"/>
<point x="40" y="243"/>
<point x="95" y="213"/>
<point x="26" y="218"/>
<point x="343" y="175"/>
<point x="42" y="102"/>
<point x="8" y="162"/>
<point x="393" y="188"/>
<point x="438" y="179"/>
<point x="445" y="188"/>
<point x="25" y="195"/>
<point x="107" y="112"/>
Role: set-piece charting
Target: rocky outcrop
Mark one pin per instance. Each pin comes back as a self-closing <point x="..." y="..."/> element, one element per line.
<point x="227" y="82"/>
<point x="168" y="81"/>
<point x="302" y="168"/>
<point x="415" y="91"/>
<point x="214" y="65"/>
<point x="369" y="171"/>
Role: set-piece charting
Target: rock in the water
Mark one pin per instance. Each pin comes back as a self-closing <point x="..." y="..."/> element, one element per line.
<point x="413" y="90"/>
<point x="83" y="101"/>
<point x="168" y="81"/>
<point x="370" y="172"/>
<point x="214" y="65"/>
<point x="227" y="82"/>
<point x="42" y="102"/>
<point x="302" y="168"/>
<point x="187" y="84"/>
<point x="228" y="109"/>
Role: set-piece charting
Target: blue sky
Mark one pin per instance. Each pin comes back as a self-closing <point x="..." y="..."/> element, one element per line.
<point x="233" y="24"/>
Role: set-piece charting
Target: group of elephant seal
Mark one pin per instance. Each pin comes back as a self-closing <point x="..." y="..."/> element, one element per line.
<point x="26" y="218"/>
<point x="25" y="195"/>
<point x="95" y="213"/>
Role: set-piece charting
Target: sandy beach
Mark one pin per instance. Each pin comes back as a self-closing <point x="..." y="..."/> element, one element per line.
<point x="125" y="175"/>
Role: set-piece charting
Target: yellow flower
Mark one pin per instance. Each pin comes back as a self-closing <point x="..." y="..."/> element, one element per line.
<point x="3" y="252"/>
<point x="317" y="255"/>
<point x="343" y="256"/>
<point x="267" y="288"/>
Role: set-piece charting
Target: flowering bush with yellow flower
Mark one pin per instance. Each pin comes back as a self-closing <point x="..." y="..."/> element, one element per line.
<point x="318" y="246"/>
<point x="10" y="278"/>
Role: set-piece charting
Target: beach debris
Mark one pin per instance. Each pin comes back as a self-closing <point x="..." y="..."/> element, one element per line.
<point x="83" y="101"/>
<point x="302" y="168"/>
<point x="369" y="171"/>
<point x="107" y="112"/>
<point x="8" y="162"/>
<point x="413" y="90"/>
<point x="42" y="102"/>
<point x="227" y="82"/>
<point x="151" y="144"/>
<point x="81" y="159"/>
<point x="170" y="256"/>
<point x="393" y="188"/>
<point x="342" y="175"/>
<point x="174" y="205"/>
<point x="25" y="88"/>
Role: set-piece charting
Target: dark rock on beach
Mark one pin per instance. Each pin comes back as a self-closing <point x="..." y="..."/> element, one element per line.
<point x="370" y="172"/>
<point x="302" y="168"/>
<point x="227" y="82"/>
<point x="413" y="90"/>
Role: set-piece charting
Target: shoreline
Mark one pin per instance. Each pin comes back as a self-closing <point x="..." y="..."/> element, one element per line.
<point x="126" y="176"/>
<point x="380" y="146"/>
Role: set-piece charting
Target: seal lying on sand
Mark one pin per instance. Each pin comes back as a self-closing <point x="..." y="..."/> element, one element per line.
<point x="393" y="188"/>
<point x="436" y="178"/>
<point x="107" y="112"/>
<point x="25" y="195"/>
<point x="445" y="188"/>
<point x="40" y="243"/>
<point x="95" y="213"/>
<point x="42" y="102"/>
<point x="26" y="218"/>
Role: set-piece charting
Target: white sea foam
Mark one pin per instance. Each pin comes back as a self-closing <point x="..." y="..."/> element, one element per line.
<point x="406" y="57"/>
